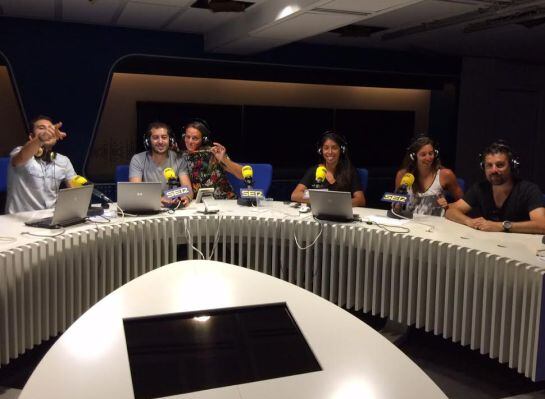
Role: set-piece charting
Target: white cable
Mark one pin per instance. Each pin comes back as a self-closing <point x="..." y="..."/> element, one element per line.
<point x="43" y="235"/>
<point x="313" y="242"/>
<point x="188" y="236"/>
<point x="216" y="239"/>
<point x="429" y="226"/>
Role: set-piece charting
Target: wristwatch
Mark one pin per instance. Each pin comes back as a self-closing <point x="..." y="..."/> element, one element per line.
<point x="506" y="224"/>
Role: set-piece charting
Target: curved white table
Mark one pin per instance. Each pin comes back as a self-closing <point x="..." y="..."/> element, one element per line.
<point x="90" y="359"/>
<point x="483" y="290"/>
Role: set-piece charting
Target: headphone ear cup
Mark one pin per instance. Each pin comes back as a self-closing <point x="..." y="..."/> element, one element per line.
<point x="146" y="142"/>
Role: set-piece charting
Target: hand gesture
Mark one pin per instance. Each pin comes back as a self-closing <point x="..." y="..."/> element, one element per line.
<point x="52" y="132"/>
<point x="219" y="151"/>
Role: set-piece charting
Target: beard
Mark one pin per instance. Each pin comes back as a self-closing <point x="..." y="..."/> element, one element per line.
<point x="497" y="179"/>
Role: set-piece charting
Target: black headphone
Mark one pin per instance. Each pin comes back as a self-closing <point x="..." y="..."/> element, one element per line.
<point x="202" y="126"/>
<point x="330" y="134"/>
<point x="500" y="146"/>
<point x="419" y="142"/>
<point x="156" y="125"/>
<point x="46" y="155"/>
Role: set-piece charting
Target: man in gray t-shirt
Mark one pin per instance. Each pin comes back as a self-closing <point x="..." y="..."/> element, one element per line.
<point x="35" y="172"/>
<point x="150" y="165"/>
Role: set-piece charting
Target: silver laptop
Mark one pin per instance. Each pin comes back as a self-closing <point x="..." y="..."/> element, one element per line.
<point x="331" y="205"/>
<point x="71" y="208"/>
<point x="139" y="198"/>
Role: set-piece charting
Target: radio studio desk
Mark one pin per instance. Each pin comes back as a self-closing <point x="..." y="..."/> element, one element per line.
<point x="482" y="290"/>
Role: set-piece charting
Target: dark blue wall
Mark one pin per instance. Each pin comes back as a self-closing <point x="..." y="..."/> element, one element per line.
<point x="63" y="69"/>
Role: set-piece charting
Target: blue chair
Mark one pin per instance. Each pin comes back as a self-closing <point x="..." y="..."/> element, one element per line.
<point x="262" y="178"/>
<point x="121" y="173"/>
<point x="461" y="183"/>
<point x="4" y="163"/>
<point x="364" y="177"/>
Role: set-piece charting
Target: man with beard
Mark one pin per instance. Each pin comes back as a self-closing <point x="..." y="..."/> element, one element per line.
<point x="502" y="202"/>
<point x="35" y="172"/>
<point x="149" y="166"/>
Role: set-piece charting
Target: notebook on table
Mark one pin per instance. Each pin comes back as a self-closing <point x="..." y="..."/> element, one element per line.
<point x="335" y="206"/>
<point x="71" y="208"/>
<point x="139" y="198"/>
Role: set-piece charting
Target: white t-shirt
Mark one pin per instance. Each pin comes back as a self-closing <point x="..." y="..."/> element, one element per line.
<point x="426" y="203"/>
<point x="34" y="185"/>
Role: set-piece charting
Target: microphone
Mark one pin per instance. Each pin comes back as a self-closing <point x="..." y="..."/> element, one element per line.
<point x="319" y="177"/>
<point x="79" y="181"/>
<point x="249" y="196"/>
<point x="175" y="190"/>
<point x="171" y="178"/>
<point x="400" y="198"/>
<point x="406" y="182"/>
<point x="248" y="175"/>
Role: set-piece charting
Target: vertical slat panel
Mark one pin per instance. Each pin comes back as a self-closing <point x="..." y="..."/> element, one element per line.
<point x="477" y="306"/>
<point x="457" y="299"/>
<point x="505" y="312"/>
<point x="431" y="286"/>
<point x="4" y="309"/>
<point x="421" y="283"/>
<point x="497" y="291"/>
<point x="469" y="265"/>
<point x="351" y="270"/>
<point x="342" y="266"/>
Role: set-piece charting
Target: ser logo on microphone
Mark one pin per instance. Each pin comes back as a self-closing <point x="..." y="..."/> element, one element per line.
<point x="251" y="193"/>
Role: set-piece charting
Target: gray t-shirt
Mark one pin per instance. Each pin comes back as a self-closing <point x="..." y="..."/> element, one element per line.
<point x="34" y="185"/>
<point x="142" y="166"/>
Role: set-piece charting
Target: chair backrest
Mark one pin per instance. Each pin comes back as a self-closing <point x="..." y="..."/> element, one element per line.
<point x="461" y="183"/>
<point x="262" y="178"/>
<point x="4" y="163"/>
<point x="122" y="173"/>
<point x="364" y="177"/>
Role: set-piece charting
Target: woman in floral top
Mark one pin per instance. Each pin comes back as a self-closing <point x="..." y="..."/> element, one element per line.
<point x="207" y="162"/>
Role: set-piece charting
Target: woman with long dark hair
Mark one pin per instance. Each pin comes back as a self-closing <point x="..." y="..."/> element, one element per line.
<point x="207" y="161"/>
<point x="431" y="179"/>
<point x="340" y="173"/>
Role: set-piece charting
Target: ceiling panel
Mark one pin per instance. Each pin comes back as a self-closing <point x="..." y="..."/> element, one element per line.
<point x="365" y="6"/>
<point x="424" y="11"/>
<point x="173" y="3"/>
<point x="304" y="25"/>
<point x="146" y="15"/>
<point x="198" y="20"/>
<point x="42" y="9"/>
<point x="96" y="12"/>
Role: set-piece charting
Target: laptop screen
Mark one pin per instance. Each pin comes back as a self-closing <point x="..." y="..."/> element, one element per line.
<point x="185" y="352"/>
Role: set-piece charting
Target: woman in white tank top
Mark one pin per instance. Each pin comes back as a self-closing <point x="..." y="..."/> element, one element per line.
<point x="431" y="180"/>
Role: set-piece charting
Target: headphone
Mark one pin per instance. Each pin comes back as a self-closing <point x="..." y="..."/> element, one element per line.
<point x="155" y="125"/>
<point x="330" y="134"/>
<point x="500" y="146"/>
<point x="47" y="156"/>
<point x="202" y="126"/>
<point x="419" y="142"/>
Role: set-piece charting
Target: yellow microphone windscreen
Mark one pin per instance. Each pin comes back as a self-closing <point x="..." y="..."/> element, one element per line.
<point x="247" y="171"/>
<point x="407" y="179"/>
<point x="79" y="181"/>
<point x="321" y="173"/>
<point x="169" y="173"/>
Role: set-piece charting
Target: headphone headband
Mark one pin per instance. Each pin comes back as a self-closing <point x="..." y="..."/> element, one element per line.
<point x="202" y="126"/>
<point x="500" y="146"/>
<point x="158" y="125"/>
<point x="330" y="134"/>
<point x="419" y="142"/>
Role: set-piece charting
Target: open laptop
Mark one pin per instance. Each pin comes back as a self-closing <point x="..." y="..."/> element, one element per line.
<point x="139" y="198"/>
<point x="331" y="205"/>
<point x="71" y="208"/>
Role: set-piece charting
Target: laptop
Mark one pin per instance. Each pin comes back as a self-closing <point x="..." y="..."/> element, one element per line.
<point x="71" y="208"/>
<point x="140" y="198"/>
<point x="331" y="205"/>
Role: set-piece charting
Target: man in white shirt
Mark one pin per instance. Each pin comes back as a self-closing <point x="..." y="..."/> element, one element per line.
<point x="35" y="172"/>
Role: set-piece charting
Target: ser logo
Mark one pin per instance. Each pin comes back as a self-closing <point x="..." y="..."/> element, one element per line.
<point x="398" y="198"/>
<point x="245" y="193"/>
